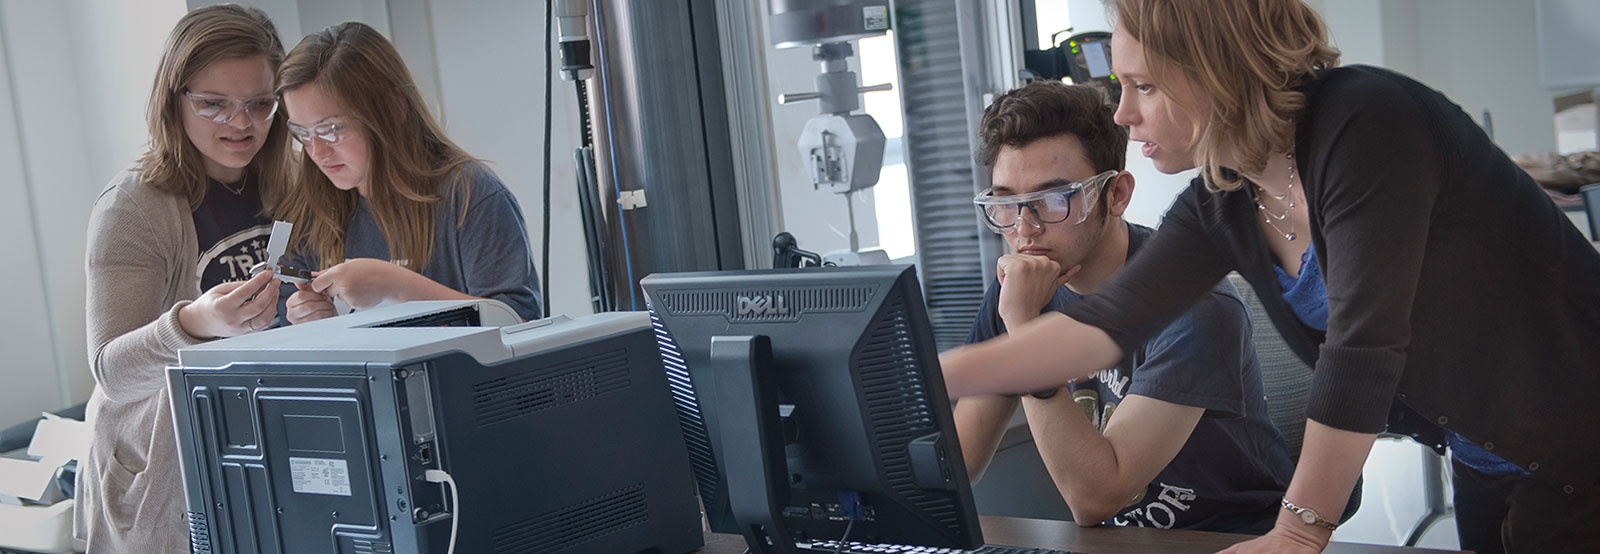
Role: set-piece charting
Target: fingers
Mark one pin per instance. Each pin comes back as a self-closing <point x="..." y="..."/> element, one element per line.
<point x="306" y="306"/>
<point x="1066" y="276"/>
<point x="263" y="320"/>
<point x="244" y="291"/>
<point x="309" y="315"/>
<point x="321" y="281"/>
<point x="265" y="301"/>
<point x="1028" y="266"/>
<point x="257" y="315"/>
<point x="226" y="288"/>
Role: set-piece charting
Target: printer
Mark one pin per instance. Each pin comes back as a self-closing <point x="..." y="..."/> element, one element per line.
<point x="345" y="435"/>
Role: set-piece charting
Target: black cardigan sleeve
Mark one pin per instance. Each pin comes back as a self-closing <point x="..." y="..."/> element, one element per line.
<point x="1372" y="167"/>
<point x="1179" y="265"/>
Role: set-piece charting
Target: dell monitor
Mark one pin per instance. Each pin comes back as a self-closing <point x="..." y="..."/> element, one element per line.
<point x="337" y="436"/>
<point x="812" y="403"/>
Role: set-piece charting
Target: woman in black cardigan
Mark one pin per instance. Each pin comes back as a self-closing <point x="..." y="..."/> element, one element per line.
<point x="1453" y="287"/>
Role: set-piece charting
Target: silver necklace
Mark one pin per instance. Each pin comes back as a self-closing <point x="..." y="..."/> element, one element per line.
<point x="236" y="191"/>
<point x="1266" y="215"/>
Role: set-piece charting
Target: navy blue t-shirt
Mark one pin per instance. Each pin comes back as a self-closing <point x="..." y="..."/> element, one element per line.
<point x="1231" y="473"/>
<point x="232" y="232"/>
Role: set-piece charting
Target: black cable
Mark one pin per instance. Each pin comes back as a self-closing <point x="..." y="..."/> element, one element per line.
<point x="608" y="295"/>
<point x="549" y="22"/>
<point x="594" y="236"/>
<point x="583" y="110"/>
<point x="839" y="546"/>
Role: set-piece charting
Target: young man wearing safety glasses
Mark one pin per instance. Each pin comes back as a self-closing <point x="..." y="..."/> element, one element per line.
<point x="1176" y="435"/>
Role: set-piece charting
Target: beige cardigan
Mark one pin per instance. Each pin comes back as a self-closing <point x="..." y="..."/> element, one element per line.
<point x="141" y="262"/>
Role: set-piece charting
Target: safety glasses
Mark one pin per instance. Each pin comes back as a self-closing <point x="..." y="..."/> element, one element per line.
<point x="330" y="133"/>
<point x="222" y="109"/>
<point x="1053" y="205"/>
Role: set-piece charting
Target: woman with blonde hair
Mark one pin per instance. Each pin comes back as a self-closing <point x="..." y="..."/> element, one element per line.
<point x="389" y="208"/>
<point x="1396" y="248"/>
<point x="192" y="216"/>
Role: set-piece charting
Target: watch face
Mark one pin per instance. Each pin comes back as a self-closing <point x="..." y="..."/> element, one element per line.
<point x="1308" y="517"/>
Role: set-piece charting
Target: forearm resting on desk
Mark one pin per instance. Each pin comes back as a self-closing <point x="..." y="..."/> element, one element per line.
<point x="1098" y="473"/>
<point x="1330" y="462"/>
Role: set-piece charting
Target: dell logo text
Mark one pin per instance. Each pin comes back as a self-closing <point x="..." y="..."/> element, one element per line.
<point x="762" y="305"/>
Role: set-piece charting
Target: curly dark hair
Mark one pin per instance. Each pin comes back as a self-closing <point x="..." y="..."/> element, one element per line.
<point x="1043" y="109"/>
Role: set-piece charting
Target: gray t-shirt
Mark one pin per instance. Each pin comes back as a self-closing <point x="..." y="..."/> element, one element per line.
<point x="485" y="254"/>
<point x="1234" y="468"/>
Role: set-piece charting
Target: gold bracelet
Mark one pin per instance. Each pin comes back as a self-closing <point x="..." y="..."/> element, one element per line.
<point x="1308" y="515"/>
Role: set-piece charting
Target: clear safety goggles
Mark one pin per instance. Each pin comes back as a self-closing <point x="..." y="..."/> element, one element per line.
<point x="330" y="133"/>
<point x="1053" y="205"/>
<point x="222" y="109"/>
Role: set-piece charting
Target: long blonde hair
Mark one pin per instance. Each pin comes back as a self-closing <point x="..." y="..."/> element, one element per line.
<point x="202" y="37"/>
<point x="411" y="164"/>
<point x="1249" y="56"/>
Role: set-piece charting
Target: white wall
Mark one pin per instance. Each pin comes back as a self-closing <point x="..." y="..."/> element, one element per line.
<point x="29" y="363"/>
<point x="1483" y="54"/>
<point x="77" y="75"/>
<point x="1567" y="43"/>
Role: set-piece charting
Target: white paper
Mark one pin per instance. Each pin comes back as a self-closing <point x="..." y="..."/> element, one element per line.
<point x="60" y="438"/>
<point x="26" y="478"/>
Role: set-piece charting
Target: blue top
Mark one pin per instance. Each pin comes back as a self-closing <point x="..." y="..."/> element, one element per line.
<point x="1307" y="296"/>
<point x="484" y="253"/>
<point x="1234" y="467"/>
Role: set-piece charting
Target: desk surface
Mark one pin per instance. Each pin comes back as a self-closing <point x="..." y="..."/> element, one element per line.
<point x="1064" y="535"/>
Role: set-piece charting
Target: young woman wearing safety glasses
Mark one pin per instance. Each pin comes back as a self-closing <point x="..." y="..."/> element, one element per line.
<point x="389" y="208"/>
<point x="191" y="216"/>
<point x="1430" y="282"/>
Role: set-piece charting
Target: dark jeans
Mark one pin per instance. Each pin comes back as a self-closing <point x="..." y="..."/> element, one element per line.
<point x="1515" y="513"/>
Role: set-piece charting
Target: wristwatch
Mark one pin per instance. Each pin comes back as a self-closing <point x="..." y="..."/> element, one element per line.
<point x="1308" y="515"/>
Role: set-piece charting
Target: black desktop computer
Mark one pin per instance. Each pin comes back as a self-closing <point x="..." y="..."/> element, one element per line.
<point x="425" y="427"/>
<point x="813" y="408"/>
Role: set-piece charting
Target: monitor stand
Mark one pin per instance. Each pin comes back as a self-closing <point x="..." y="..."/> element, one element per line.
<point x="758" y="478"/>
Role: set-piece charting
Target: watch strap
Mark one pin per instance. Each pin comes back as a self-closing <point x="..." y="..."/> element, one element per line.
<point x="1308" y="515"/>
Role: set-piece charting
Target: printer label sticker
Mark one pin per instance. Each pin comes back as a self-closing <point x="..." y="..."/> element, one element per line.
<point x="320" y="476"/>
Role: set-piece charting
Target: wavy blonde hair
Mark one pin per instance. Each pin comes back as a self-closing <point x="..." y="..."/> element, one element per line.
<point x="411" y="164"/>
<point x="202" y="37"/>
<point x="1249" y="56"/>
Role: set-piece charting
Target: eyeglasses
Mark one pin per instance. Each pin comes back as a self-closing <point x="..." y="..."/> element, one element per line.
<point x="331" y="133"/>
<point x="1053" y="205"/>
<point x="222" y="109"/>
